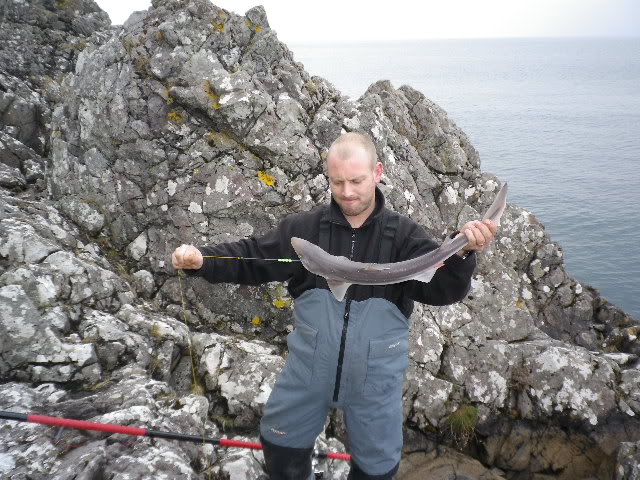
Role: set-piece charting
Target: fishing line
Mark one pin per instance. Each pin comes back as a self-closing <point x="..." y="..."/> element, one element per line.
<point x="196" y="388"/>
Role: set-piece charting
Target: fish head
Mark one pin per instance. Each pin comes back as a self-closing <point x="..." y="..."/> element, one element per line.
<point x="305" y="251"/>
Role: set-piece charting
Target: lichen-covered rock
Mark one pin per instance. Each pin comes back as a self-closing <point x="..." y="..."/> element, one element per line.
<point x="191" y="124"/>
<point x="144" y="283"/>
<point x="11" y="177"/>
<point x="243" y="372"/>
<point x="83" y="214"/>
<point x="134" y="400"/>
<point x="43" y="38"/>
<point x="24" y="116"/>
<point x="31" y="351"/>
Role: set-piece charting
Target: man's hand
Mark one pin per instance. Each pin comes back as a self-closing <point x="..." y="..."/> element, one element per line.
<point x="479" y="235"/>
<point x="187" y="257"/>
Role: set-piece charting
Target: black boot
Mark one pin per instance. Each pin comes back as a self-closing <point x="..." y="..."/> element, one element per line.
<point x="357" y="474"/>
<point x="286" y="463"/>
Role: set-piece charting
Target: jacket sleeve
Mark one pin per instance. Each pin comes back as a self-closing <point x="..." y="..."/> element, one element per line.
<point x="450" y="284"/>
<point x="274" y="244"/>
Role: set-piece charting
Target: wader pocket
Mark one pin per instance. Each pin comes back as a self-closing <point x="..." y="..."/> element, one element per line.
<point x="388" y="359"/>
<point x="302" y="348"/>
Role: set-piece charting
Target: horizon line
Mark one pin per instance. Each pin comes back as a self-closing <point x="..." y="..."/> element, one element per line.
<point x="400" y="40"/>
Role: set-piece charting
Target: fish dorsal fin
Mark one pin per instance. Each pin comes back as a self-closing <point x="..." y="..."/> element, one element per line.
<point x="338" y="288"/>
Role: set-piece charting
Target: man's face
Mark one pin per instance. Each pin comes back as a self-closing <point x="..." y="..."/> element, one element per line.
<point x="353" y="180"/>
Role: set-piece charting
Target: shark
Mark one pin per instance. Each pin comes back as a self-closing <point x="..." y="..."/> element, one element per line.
<point x="341" y="273"/>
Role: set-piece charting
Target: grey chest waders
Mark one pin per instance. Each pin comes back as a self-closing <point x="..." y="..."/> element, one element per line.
<point x="350" y="355"/>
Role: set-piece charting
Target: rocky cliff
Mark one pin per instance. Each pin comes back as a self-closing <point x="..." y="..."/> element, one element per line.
<point x="191" y="124"/>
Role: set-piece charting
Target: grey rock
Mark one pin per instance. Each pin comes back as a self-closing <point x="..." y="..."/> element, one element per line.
<point x="11" y="177"/>
<point x="42" y="38"/>
<point x="138" y="248"/>
<point x="83" y="214"/>
<point x="24" y="118"/>
<point x="22" y="244"/>
<point x="132" y="400"/>
<point x="30" y="351"/>
<point x="572" y="380"/>
<point x="143" y="283"/>
<point x="243" y="372"/>
<point x="628" y="467"/>
<point x="242" y="464"/>
<point x="444" y="465"/>
<point x="191" y="124"/>
<point x="630" y="388"/>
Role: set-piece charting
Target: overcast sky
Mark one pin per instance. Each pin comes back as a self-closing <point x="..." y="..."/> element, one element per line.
<point x="344" y="20"/>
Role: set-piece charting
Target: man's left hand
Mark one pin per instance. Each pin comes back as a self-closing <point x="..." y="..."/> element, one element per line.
<point x="479" y="233"/>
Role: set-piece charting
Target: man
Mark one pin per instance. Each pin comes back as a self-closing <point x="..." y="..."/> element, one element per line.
<point x="350" y="354"/>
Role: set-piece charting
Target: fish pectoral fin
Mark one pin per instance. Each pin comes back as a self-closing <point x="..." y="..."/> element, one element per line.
<point x="338" y="288"/>
<point x="427" y="275"/>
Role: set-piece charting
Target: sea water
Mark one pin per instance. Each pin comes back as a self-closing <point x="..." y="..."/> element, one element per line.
<point x="559" y="119"/>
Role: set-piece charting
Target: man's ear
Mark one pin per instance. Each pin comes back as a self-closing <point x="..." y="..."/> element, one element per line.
<point x="377" y="172"/>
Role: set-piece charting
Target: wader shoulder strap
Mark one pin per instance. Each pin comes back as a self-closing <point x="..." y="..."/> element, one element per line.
<point x="324" y="242"/>
<point x="386" y="244"/>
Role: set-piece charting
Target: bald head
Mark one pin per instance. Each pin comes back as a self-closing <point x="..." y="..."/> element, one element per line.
<point x="353" y="172"/>
<point x="350" y="144"/>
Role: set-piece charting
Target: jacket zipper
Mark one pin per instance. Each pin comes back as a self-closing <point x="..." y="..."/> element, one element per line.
<point x="345" y="326"/>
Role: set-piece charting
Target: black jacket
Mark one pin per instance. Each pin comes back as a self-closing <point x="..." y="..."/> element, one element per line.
<point x="450" y="283"/>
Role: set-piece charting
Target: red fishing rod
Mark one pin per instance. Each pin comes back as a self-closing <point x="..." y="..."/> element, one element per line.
<point x="145" y="432"/>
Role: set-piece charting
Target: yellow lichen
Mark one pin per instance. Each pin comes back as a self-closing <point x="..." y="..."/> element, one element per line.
<point x="142" y="67"/>
<point x="266" y="178"/>
<point x="175" y="117"/>
<point x="97" y="386"/>
<point x="279" y="303"/>
<point x="211" y="93"/>
<point x="311" y="87"/>
<point x="220" y="140"/>
<point x="166" y="94"/>
<point x="217" y="25"/>
<point x="155" y="331"/>
<point x="520" y="303"/>
<point x="253" y="26"/>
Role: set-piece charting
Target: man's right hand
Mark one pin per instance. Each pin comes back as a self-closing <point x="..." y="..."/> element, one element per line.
<point x="187" y="257"/>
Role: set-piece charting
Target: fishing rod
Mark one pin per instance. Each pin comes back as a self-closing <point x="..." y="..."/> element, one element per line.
<point x="283" y="260"/>
<point x="145" y="432"/>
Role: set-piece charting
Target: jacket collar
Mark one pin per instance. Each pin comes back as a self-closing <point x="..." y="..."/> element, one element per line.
<point x="336" y="215"/>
